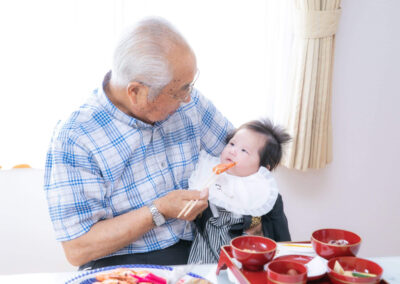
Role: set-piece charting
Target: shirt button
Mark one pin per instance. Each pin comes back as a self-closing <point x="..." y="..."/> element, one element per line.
<point x="163" y="164"/>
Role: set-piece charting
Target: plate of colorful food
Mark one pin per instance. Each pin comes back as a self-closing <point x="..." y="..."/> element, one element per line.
<point x="136" y="273"/>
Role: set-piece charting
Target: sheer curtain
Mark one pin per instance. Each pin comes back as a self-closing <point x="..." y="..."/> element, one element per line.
<point x="306" y="111"/>
<point x="53" y="53"/>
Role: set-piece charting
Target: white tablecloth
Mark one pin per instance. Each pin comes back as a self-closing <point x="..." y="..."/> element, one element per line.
<point x="391" y="266"/>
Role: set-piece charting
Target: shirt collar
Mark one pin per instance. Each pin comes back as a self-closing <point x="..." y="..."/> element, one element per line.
<point x="113" y="110"/>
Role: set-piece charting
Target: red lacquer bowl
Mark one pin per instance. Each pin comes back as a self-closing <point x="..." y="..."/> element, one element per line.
<point x="253" y="252"/>
<point x="354" y="264"/>
<point x="320" y="242"/>
<point x="303" y="259"/>
<point x="278" y="272"/>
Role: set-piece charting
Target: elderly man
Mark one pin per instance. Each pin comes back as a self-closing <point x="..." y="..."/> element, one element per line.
<point x="117" y="169"/>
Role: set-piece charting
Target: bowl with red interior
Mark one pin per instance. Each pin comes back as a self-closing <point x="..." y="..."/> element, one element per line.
<point x="253" y="252"/>
<point x="329" y="243"/>
<point x="350" y="269"/>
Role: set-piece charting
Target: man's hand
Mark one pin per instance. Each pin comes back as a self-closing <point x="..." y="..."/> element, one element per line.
<point x="172" y="204"/>
<point x="110" y="235"/>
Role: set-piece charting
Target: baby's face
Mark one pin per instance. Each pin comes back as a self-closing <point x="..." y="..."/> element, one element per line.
<point x="243" y="149"/>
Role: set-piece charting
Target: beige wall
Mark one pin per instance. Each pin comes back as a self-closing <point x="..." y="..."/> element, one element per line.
<point x="360" y="189"/>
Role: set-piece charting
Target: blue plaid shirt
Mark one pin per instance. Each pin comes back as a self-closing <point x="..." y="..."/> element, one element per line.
<point x="103" y="163"/>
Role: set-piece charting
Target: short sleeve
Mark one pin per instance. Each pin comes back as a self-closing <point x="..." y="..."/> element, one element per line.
<point x="75" y="190"/>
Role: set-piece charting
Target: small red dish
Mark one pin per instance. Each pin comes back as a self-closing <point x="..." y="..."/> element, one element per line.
<point x="253" y="252"/>
<point x="320" y="241"/>
<point x="283" y="271"/>
<point x="354" y="264"/>
<point x="303" y="259"/>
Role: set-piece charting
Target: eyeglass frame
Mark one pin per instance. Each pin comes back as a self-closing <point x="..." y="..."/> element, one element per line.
<point x="188" y="91"/>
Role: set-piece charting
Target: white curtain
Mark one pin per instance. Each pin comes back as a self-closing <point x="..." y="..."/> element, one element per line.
<point x="55" y="52"/>
<point x="306" y="109"/>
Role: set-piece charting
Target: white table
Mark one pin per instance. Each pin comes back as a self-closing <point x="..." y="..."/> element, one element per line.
<point x="390" y="265"/>
<point x="206" y="270"/>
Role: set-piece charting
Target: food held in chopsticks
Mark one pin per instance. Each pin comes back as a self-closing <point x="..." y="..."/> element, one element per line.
<point x="217" y="170"/>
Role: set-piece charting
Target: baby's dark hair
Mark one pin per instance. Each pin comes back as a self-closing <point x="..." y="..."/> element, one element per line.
<point x="271" y="153"/>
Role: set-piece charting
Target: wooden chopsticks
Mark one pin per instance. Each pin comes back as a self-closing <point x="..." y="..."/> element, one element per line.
<point x="219" y="169"/>
<point x="192" y="203"/>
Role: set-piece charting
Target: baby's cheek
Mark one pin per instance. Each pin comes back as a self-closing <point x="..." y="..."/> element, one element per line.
<point x="239" y="171"/>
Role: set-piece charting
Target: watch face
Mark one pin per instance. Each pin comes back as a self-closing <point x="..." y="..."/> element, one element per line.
<point x="159" y="221"/>
<point x="158" y="218"/>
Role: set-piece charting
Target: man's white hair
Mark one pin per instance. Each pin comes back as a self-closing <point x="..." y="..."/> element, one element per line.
<point x="141" y="55"/>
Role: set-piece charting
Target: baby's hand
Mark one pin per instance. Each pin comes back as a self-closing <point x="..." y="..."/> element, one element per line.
<point x="255" y="231"/>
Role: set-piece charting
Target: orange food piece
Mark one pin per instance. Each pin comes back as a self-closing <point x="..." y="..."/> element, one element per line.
<point x="120" y="274"/>
<point x="219" y="169"/>
<point x="21" y="166"/>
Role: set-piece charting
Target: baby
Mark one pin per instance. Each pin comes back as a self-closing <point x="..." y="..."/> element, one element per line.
<point x="242" y="195"/>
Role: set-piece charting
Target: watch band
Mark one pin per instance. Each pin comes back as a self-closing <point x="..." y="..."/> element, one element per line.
<point x="158" y="218"/>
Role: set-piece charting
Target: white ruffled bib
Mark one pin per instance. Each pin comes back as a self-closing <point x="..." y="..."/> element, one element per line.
<point x="253" y="195"/>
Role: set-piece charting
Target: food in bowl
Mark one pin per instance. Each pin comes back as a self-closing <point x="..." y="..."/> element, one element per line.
<point x="338" y="242"/>
<point x="349" y="269"/>
<point x="249" y="250"/>
<point x="329" y="243"/>
<point x="253" y="252"/>
<point x="282" y="271"/>
<point x="339" y="269"/>
<point x="292" y="271"/>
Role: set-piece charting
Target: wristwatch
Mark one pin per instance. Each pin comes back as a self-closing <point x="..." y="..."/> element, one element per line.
<point x="158" y="218"/>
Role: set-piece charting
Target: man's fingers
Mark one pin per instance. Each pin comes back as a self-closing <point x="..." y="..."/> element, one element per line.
<point x="185" y="209"/>
<point x="194" y="194"/>
<point x="184" y="204"/>
<point x="204" y="193"/>
<point x="195" y="208"/>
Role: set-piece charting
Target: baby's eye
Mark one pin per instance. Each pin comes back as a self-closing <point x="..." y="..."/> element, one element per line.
<point x="245" y="151"/>
<point x="231" y="143"/>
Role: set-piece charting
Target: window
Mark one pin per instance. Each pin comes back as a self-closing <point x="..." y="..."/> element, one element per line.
<point x="54" y="53"/>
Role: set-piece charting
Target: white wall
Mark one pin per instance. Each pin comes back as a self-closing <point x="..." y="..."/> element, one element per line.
<point x="360" y="189"/>
<point x="27" y="240"/>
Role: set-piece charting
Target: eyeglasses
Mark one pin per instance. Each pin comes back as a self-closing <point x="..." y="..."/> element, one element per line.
<point x="184" y="93"/>
<point x="186" y="90"/>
